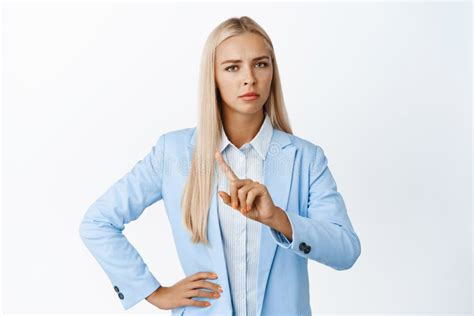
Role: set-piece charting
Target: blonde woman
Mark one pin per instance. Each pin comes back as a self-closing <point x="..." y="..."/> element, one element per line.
<point x="249" y="203"/>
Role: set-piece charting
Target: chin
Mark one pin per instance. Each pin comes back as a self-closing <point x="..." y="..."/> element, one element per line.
<point x="246" y="107"/>
<point x="249" y="108"/>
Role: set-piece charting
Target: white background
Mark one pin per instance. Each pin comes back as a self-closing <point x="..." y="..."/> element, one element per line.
<point x="383" y="88"/>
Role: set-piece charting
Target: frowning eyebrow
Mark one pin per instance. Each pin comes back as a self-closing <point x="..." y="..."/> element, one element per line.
<point x="239" y="61"/>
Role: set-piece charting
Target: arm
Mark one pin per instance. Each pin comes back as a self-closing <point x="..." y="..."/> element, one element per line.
<point x="102" y="225"/>
<point x="326" y="235"/>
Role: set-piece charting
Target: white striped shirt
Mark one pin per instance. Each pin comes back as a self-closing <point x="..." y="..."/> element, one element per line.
<point x="241" y="235"/>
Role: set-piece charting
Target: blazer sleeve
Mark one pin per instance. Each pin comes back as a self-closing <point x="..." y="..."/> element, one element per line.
<point x="103" y="222"/>
<point x="326" y="234"/>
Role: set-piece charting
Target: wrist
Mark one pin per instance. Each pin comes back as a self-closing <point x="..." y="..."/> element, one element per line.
<point x="154" y="294"/>
<point x="275" y="218"/>
<point x="281" y="223"/>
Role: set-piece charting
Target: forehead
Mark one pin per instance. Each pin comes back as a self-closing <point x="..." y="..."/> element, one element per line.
<point x="243" y="46"/>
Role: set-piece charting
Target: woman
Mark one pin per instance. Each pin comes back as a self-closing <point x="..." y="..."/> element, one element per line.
<point x="246" y="251"/>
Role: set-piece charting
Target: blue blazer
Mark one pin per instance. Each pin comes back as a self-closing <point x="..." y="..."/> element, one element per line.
<point x="297" y="176"/>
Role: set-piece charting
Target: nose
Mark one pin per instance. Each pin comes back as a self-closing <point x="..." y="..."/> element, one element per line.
<point x="249" y="78"/>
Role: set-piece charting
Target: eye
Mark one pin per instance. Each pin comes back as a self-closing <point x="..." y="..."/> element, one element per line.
<point x="260" y="63"/>
<point x="232" y="66"/>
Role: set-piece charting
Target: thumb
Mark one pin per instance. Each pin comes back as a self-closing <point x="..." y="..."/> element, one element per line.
<point x="225" y="197"/>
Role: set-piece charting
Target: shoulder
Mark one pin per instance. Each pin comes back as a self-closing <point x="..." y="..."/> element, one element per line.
<point x="304" y="146"/>
<point x="310" y="154"/>
<point x="181" y="135"/>
<point x="176" y="139"/>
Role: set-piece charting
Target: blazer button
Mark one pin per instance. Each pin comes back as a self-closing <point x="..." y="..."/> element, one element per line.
<point x="120" y="295"/>
<point x="116" y="289"/>
<point x="307" y="249"/>
<point x="302" y="246"/>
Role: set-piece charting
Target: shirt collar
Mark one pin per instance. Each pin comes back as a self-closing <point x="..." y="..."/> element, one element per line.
<point x="261" y="141"/>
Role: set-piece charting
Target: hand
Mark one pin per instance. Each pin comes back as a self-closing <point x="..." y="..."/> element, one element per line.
<point x="182" y="292"/>
<point x="249" y="197"/>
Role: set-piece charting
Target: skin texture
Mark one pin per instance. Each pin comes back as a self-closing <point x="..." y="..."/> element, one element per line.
<point x="253" y="200"/>
<point x="181" y="293"/>
<point x="242" y="121"/>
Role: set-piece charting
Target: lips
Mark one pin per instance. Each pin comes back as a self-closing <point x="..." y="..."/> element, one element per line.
<point x="250" y="94"/>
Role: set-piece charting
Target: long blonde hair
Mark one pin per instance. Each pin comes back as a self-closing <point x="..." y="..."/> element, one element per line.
<point x="196" y="197"/>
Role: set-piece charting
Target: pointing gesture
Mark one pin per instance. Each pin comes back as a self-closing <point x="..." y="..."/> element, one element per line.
<point x="249" y="197"/>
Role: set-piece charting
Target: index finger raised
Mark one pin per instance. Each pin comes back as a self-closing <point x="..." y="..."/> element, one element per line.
<point x="225" y="167"/>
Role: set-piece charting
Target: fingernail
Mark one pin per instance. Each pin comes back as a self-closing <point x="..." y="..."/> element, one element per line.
<point x="234" y="205"/>
<point x="247" y="208"/>
<point x="220" y="289"/>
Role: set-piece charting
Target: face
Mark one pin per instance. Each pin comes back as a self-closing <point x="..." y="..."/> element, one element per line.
<point x="243" y="64"/>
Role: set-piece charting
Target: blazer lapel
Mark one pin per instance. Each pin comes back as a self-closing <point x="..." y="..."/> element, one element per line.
<point x="278" y="170"/>
<point x="216" y="248"/>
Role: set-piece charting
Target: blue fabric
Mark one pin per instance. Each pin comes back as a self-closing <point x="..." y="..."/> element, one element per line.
<point x="299" y="180"/>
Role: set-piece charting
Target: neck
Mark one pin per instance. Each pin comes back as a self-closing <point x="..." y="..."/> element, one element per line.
<point x="241" y="128"/>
